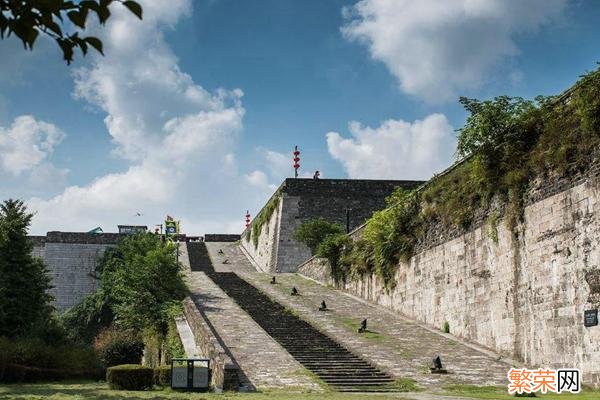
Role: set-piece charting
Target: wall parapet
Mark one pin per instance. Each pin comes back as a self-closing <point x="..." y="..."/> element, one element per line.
<point x="221" y="237"/>
<point x="83" y="237"/>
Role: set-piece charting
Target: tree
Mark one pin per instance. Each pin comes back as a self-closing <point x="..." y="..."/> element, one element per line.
<point x="143" y="281"/>
<point x="24" y="280"/>
<point x="313" y="232"/>
<point x="27" y="18"/>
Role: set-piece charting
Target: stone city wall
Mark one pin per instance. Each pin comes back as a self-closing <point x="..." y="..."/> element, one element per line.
<point x="341" y="201"/>
<point x="71" y="259"/>
<point x="263" y="256"/>
<point x="523" y="296"/>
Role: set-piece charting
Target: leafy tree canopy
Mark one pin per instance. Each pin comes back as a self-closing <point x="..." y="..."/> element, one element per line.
<point x="27" y="18"/>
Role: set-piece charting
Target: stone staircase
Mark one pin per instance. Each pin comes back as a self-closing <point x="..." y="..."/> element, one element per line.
<point x="327" y="359"/>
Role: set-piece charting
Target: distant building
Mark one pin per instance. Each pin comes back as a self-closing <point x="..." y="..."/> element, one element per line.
<point x="131" y="229"/>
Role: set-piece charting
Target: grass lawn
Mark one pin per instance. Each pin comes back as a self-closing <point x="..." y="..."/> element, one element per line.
<point x="100" y="391"/>
<point x="499" y="393"/>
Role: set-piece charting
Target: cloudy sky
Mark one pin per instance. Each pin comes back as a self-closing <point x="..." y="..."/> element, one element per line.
<point x="195" y="110"/>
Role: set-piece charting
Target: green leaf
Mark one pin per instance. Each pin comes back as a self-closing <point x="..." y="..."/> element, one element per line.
<point x="77" y="18"/>
<point x="67" y="49"/>
<point x="54" y="27"/>
<point x="134" y="7"/>
<point x="89" y="5"/>
<point x="3" y="25"/>
<point x="103" y="14"/>
<point x="82" y="44"/>
<point x="95" y="43"/>
<point x="33" y="34"/>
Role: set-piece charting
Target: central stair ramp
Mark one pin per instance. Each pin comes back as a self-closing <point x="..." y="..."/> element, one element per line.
<point x="317" y="352"/>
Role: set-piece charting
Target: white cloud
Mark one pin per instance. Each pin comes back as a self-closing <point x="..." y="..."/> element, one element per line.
<point x="279" y="164"/>
<point x="27" y="143"/>
<point x="259" y="179"/>
<point x="438" y="48"/>
<point x="178" y="138"/>
<point x="395" y="150"/>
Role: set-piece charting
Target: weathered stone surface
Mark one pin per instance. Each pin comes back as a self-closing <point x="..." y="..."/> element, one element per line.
<point x="397" y="345"/>
<point x="225" y="373"/>
<point x="187" y="337"/>
<point x="523" y="296"/>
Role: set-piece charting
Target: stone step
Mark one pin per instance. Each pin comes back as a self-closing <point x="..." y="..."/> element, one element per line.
<point x="358" y="382"/>
<point x="329" y="360"/>
<point x="332" y="374"/>
<point x="351" y="389"/>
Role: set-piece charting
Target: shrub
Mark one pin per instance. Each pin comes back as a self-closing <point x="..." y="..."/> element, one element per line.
<point x="505" y="142"/>
<point x="115" y="347"/>
<point x="130" y="377"/>
<point x="446" y="327"/>
<point x="162" y="375"/>
<point x="391" y="234"/>
<point x="84" y="321"/>
<point x="333" y="248"/>
<point x="313" y="232"/>
<point x="174" y="347"/>
<point x="29" y="360"/>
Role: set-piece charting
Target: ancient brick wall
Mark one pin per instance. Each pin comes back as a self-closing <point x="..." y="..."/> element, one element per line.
<point x="71" y="259"/>
<point x="301" y="200"/>
<point x="522" y="296"/>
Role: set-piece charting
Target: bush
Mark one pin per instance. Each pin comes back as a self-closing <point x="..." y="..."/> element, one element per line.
<point x="174" y="347"/>
<point x="84" y="321"/>
<point x="130" y="377"/>
<point x="446" y="327"/>
<point x="313" y="232"/>
<point x="30" y="360"/>
<point x="115" y="347"/>
<point x="162" y="375"/>
<point x="333" y="248"/>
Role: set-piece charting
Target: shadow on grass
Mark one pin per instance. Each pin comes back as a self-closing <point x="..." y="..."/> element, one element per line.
<point x="86" y="390"/>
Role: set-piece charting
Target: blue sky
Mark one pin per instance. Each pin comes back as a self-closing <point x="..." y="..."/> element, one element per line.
<point x="195" y="110"/>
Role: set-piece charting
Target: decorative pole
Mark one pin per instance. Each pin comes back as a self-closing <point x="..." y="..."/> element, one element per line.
<point x="247" y="218"/>
<point x="296" y="161"/>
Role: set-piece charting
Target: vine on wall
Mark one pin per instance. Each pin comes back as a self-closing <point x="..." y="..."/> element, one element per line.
<point x="263" y="218"/>
<point x="505" y="143"/>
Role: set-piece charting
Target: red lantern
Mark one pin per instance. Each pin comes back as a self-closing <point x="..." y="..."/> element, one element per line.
<point x="296" y="161"/>
<point x="247" y="218"/>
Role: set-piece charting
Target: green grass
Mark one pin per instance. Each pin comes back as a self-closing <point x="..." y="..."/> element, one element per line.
<point x="353" y="325"/>
<point x="100" y="391"/>
<point x="500" y="393"/>
<point x="406" y="385"/>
